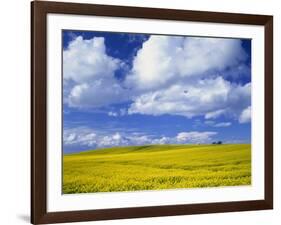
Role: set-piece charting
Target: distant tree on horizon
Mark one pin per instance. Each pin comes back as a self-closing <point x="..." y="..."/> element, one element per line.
<point x="217" y="143"/>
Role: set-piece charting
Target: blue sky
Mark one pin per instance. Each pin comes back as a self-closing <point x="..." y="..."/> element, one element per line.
<point x="134" y="89"/>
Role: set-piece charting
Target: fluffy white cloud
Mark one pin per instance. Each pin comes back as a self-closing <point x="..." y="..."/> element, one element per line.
<point x="112" y="140"/>
<point x="167" y="59"/>
<point x="195" y="137"/>
<point x="94" y="139"/>
<point x="185" y="76"/>
<point x="245" y="116"/>
<point x="79" y="136"/>
<point x="86" y="60"/>
<point x="206" y="97"/>
<point x="96" y="94"/>
<point x="170" y="75"/>
<point x="88" y="73"/>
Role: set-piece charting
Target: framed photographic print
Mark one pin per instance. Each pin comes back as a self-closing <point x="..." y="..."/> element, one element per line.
<point x="143" y="112"/>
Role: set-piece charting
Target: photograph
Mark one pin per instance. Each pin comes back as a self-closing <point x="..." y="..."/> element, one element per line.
<point x="146" y="112"/>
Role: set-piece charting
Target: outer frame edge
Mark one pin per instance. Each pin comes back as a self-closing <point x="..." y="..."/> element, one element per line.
<point x="39" y="214"/>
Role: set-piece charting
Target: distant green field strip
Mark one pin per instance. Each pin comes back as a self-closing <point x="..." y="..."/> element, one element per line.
<point x="150" y="168"/>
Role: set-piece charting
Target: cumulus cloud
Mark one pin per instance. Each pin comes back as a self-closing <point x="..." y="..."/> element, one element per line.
<point x="167" y="59"/>
<point x="183" y="76"/>
<point x="89" y="74"/>
<point x="207" y="97"/>
<point x="245" y="116"/>
<point x="85" y="60"/>
<point x="93" y="139"/>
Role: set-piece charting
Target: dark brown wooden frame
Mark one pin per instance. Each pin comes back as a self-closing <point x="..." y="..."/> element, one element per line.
<point x="39" y="11"/>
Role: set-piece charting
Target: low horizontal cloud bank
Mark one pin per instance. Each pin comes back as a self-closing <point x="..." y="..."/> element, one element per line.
<point x="91" y="139"/>
<point x="195" y="137"/>
<point x="184" y="76"/>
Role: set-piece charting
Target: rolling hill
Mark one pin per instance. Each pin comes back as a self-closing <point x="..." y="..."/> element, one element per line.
<point x="155" y="167"/>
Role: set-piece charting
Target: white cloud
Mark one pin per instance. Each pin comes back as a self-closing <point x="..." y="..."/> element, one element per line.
<point x="96" y="94"/>
<point x="206" y="97"/>
<point x="120" y="112"/>
<point x="83" y="136"/>
<point x="245" y="116"/>
<point x="214" y="124"/>
<point x="79" y="136"/>
<point x="114" y="114"/>
<point x="112" y="140"/>
<point x="195" y="137"/>
<point x="162" y="140"/>
<point x="170" y="75"/>
<point x="167" y="59"/>
<point x="85" y="60"/>
<point x="91" y="139"/>
<point x="215" y="114"/>
<point x="88" y="73"/>
<point x="185" y="76"/>
<point x="223" y="124"/>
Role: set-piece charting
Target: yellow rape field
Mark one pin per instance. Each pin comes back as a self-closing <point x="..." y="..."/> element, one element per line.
<point x="156" y="167"/>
